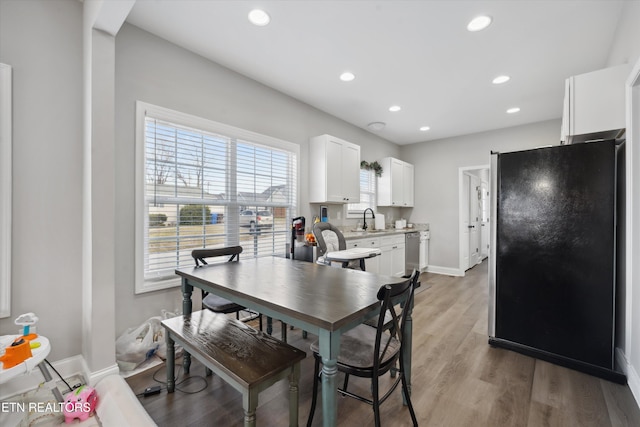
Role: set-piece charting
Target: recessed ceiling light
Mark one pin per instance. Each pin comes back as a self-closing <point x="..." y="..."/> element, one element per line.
<point x="501" y="79"/>
<point x="513" y="110"/>
<point x="259" y="17"/>
<point x="376" y="126"/>
<point x="347" y="76"/>
<point x="425" y="128"/>
<point x="395" y="108"/>
<point x="479" y="23"/>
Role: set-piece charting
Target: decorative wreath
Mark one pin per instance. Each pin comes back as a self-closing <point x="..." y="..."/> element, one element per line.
<point x="374" y="166"/>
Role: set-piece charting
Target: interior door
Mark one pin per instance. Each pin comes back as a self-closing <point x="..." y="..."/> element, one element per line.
<point x="474" y="220"/>
<point x="464" y="223"/>
<point x="484" y="220"/>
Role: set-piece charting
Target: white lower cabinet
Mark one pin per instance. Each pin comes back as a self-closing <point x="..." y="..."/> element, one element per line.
<point x="371" y="264"/>
<point x="397" y="254"/>
<point x="391" y="261"/>
<point x="392" y="258"/>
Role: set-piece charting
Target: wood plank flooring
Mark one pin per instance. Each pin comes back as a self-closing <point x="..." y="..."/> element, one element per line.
<point x="458" y="379"/>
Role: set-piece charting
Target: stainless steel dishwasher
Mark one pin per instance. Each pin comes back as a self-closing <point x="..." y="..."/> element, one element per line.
<point x="416" y="251"/>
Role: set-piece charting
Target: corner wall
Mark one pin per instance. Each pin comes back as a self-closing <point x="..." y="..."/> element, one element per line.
<point x="42" y="41"/>
<point x="436" y="179"/>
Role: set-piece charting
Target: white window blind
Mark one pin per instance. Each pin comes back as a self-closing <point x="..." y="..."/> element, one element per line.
<point x="210" y="185"/>
<point x="368" y="195"/>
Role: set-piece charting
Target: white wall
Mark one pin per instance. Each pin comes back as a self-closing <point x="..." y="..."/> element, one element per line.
<point x="632" y="294"/>
<point x="436" y="178"/>
<point x="626" y="49"/>
<point x="42" y="41"/>
<point x="626" y="45"/>
<point x="152" y="70"/>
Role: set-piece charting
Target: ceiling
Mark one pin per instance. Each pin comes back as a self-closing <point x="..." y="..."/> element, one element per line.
<point x="415" y="54"/>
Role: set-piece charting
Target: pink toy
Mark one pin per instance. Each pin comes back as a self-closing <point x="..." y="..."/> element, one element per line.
<point x="80" y="403"/>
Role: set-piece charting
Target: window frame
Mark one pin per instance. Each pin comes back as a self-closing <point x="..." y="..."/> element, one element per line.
<point x="6" y="135"/>
<point x="352" y="213"/>
<point x="144" y="110"/>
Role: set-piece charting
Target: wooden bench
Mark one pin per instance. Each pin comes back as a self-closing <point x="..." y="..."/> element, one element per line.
<point x="247" y="359"/>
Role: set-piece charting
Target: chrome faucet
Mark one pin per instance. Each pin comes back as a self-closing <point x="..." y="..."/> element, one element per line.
<point x="364" y="217"/>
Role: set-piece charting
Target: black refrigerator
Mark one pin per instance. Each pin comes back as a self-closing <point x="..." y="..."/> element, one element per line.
<point x="552" y="274"/>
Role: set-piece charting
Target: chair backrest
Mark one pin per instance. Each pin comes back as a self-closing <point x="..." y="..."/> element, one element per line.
<point x="328" y="237"/>
<point x="199" y="255"/>
<point x="396" y="302"/>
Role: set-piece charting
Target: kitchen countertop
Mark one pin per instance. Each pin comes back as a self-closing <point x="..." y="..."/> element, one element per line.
<point x="353" y="235"/>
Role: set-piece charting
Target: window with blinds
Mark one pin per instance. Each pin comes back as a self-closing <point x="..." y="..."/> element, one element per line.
<point x="368" y="195"/>
<point x="205" y="184"/>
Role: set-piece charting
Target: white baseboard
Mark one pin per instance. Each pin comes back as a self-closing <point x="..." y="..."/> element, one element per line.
<point x="68" y="367"/>
<point x="445" y="270"/>
<point x="633" y="379"/>
<point x="621" y="360"/>
<point x="74" y="365"/>
<point x="634" y="383"/>
<point x="93" y="377"/>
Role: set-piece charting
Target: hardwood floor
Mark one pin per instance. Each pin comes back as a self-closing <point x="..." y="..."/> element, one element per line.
<point x="458" y="379"/>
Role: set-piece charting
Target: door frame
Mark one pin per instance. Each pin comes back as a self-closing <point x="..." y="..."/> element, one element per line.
<point x="461" y="194"/>
<point x="630" y="361"/>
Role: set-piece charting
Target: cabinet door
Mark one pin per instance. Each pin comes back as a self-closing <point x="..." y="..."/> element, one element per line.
<point x="397" y="191"/>
<point x="565" y="129"/>
<point x="335" y="167"/>
<point x="351" y="173"/>
<point x="384" y="261"/>
<point x="407" y="184"/>
<point x="397" y="259"/>
<point x="371" y="264"/>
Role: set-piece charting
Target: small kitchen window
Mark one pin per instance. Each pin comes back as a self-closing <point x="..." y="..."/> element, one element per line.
<point x="368" y="194"/>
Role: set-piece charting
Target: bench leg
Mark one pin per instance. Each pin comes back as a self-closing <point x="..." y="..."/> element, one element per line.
<point x="171" y="363"/>
<point x="249" y="404"/>
<point x="293" y="395"/>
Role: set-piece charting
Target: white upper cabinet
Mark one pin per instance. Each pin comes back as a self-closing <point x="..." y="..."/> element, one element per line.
<point x="334" y="168"/>
<point x="407" y="183"/>
<point x="395" y="186"/>
<point x="594" y="105"/>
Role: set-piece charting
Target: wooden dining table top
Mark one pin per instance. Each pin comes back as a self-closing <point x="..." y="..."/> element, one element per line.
<point x="325" y="297"/>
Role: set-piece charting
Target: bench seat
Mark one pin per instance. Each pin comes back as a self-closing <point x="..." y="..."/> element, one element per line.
<point x="245" y="358"/>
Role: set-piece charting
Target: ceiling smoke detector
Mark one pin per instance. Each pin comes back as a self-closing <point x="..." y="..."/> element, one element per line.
<point x="376" y="126"/>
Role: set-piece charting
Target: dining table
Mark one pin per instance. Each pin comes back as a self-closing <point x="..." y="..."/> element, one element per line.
<point x="321" y="300"/>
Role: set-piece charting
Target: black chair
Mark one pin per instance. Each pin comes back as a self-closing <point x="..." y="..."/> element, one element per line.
<point x="216" y="303"/>
<point x="388" y="321"/>
<point x="371" y="352"/>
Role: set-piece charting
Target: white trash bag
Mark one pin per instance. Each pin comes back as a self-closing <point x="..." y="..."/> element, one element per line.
<point x="161" y="337"/>
<point x="137" y="345"/>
